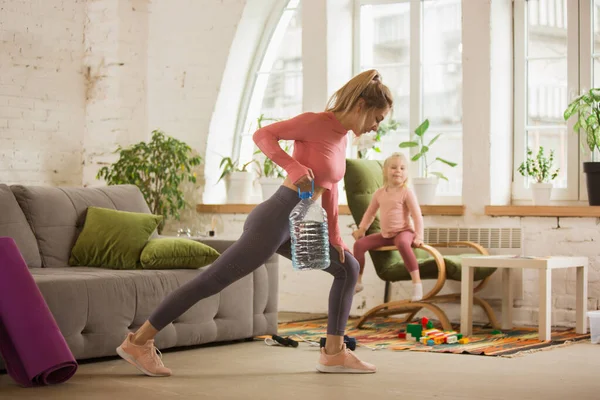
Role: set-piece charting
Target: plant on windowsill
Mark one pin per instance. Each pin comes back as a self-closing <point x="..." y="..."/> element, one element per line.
<point x="426" y="185"/>
<point x="587" y="109"/>
<point x="370" y="141"/>
<point x="238" y="180"/>
<point x="539" y="169"/>
<point x="270" y="175"/>
<point x="159" y="169"/>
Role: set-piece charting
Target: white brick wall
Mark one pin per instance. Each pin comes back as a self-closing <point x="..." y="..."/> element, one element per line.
<point x="41" y="92"/>
<point x="188" y="49"/>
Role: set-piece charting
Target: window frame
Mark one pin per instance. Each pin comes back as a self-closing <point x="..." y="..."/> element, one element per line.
<point x="415" y="70"/>
<point x="259" y="55"/>
<point x="579" y="78"/>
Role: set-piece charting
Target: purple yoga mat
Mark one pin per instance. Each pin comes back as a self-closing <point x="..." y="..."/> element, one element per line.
<point x="33" y="349"/>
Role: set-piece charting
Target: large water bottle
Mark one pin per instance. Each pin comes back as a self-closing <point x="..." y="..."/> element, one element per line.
<point x="309" y="234"/>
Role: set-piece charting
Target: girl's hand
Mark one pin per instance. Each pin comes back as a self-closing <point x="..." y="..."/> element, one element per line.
<point x="417" y="243"/>
<point x="357" y="234"/>
<point x="340" y="250"/>
<point x="304" y="182"/>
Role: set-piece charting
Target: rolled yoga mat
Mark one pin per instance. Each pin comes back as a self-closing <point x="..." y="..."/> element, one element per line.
<point x="33" y="348"/>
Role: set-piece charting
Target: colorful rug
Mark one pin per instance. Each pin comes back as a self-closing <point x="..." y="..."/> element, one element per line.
<point x="383" y="334"/>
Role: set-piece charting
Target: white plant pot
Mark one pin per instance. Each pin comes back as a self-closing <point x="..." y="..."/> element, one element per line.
<point x="541" y="193"/>
<point x="425" y="189"/>
<point x="239" y="187"/>
<point x="269" y="186"/>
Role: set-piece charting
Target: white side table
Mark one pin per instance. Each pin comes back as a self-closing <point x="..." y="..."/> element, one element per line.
<point x="545" y="265"/>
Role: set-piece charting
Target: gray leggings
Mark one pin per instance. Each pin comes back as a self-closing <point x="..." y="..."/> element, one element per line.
<point x="266" y="231"/>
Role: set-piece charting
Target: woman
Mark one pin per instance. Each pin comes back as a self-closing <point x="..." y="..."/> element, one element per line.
<point x="319" y="155"/>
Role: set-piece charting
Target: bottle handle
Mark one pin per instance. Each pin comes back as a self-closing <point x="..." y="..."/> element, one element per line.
<point x="312" y="190"/>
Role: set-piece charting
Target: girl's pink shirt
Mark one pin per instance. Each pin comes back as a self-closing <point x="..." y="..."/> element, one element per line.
<point x="397" y="206"/>
<point x="320" y="143"/>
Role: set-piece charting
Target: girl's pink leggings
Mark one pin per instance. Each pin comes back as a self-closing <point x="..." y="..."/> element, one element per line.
<point x="403" y="241"/>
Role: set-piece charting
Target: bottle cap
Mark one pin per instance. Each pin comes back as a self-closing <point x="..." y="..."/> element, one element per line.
<point x="307" y="195"/>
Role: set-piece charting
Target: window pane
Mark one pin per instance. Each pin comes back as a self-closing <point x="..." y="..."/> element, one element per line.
<point x="277" y="91"/>
<point x="442" y="31"/>
<point x="547" y="28"/>
<point x="442" y="95"/>
<point x="384" y="34"/>
<point x="398" y="80"/>
<point x="546" y="91"/>
<point x="442" y="90"/>
<point x="447" y="147"/>
<point x="553" y="138"/>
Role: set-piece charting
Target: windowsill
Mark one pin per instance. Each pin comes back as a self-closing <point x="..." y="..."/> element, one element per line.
<point x="542" y="211"/>
<point x="454" y="210"/>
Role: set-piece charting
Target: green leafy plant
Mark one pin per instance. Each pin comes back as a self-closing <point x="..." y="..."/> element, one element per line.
<point x="424" y="149"/>
<point x="157" y="168"/>
<point x="229" y="166"/>
<point x="587" y="108"/>
<point x="267" y="168"/>
<point x="384" y="128"/>
<point x="540" y="167"/>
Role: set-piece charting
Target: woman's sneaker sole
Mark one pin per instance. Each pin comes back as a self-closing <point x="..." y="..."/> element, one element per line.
<point x="131" y="360"/>
<point x="338" y="369"/>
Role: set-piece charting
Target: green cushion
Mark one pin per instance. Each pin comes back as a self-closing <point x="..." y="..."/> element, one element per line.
<point x="362" y="179"/>
<point x="113" y="239"/>
<point x="177" y="253"/>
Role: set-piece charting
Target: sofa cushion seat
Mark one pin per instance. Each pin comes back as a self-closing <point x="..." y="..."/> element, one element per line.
<point x="105" y="304"/>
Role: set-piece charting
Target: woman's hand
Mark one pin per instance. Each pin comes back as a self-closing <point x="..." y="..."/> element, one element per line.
<point x="359" y="233"/>
<point x="305" y="181"/>
<point x="340" y="250"/>
<point x="417" y="242"/>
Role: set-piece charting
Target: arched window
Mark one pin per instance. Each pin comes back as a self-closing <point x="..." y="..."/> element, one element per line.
<point x="274" y="89"/>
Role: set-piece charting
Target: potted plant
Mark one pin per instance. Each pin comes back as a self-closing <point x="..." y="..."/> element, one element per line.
<point x="270" y="175"/>
<point x="158" y="168"/>
<point x="587" y="108"/>
<point x="540" y="170"/>
<point x="426" y="185"/>
<point x="238" y="180"/>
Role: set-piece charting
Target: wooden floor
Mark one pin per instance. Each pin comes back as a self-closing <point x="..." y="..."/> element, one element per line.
<point x="253" y="370"/>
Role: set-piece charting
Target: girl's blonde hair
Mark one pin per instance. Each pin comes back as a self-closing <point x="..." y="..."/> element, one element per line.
<point x="386" y="165"/>
<point x="367" y="86"/>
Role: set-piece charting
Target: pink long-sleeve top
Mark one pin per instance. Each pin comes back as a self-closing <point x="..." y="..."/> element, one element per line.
<point x="397" y="206"/>
<point x="320" y="143"/>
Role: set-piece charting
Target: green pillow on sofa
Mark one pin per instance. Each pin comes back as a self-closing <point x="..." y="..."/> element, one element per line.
<point x="176" y="253"/>
<point x="113" y="239"/>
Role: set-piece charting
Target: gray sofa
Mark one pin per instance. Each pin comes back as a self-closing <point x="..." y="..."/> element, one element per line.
<point x="95" y="307"/>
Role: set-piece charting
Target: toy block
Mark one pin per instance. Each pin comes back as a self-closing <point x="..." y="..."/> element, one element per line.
<point x="459" y="336"/>
<point x="415" y="330"/>
<point x="496" y="332"/>
<point x="463" y="341"/>
<point x="430" y="342"/>
<point x="411" y="337"/>
<point x="424" y="339"/>
<point x="402" y="335"/>
<point x="429" y="325"/>
<point x="438" y="340"/>
<point x="424" y="322"/>
<point x="451" y="339"/>
<point x="430" y="332"/>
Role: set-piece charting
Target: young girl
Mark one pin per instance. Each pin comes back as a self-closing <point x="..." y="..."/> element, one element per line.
<point x="320" y="141"/>
<point x="396" y="201"/>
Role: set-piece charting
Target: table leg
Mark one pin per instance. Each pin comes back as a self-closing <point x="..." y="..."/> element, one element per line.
<point x="581" y="302"/>
<point x="545" y="307"/>
<point x="507" y="299"/>
<point x="466" y="300"/>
